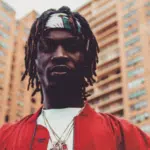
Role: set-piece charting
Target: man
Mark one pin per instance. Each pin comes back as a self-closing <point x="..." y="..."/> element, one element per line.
<point x="60" y="59"/>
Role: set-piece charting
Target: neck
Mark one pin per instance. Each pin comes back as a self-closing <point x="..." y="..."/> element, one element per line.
<point x="62" y="97"/>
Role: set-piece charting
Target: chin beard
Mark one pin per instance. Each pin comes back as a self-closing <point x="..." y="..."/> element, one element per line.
<point x="67" y="80"/>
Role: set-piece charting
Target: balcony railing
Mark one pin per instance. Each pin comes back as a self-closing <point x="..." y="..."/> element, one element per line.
<point x="111" y="78"/>
<point x="102" y="43"/>
<point x="111" y="56"/>
<point x="101" y="9"/>
<point x="107" y="33"/>
<point x="110" y="100"/>
<point x="114" y="109"/>
<point x="108" y="49"/>
<point x="99" y="93"/>
<point x="108" y="69"/>
<point x="104" y="24"/>
<point x="99" y="17"/>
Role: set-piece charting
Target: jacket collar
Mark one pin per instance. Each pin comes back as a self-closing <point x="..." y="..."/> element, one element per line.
<point x="86" y="111"/>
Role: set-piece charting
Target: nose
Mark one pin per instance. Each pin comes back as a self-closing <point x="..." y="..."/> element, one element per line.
<point x="59" y="56"/>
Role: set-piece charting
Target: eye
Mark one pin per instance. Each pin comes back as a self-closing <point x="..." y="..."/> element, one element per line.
<point x="47" y="45"/>
<point x="42" y="46"/>
<point x="51" y="44"/>
<point x="74" y="45"/>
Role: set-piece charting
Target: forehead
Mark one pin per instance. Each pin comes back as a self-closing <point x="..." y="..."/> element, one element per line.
<point x="59" y="34"/>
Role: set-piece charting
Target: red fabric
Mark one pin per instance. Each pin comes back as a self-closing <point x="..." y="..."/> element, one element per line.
<point x="92" y="131"/>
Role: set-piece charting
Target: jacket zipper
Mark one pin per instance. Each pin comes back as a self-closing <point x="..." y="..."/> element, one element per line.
<point x="33" y="136"/>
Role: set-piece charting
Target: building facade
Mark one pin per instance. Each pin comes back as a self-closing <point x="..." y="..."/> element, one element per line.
<point x="133" y="22"/>
<point x="22" y="102"/>
<point x="7" y="30"/>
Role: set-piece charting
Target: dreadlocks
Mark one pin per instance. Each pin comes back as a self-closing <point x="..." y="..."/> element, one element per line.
<point x="37" y="30"/>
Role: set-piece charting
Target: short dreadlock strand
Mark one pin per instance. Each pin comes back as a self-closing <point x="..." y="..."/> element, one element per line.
<point x="37" y="30"/>
<point x="92" y="48"/>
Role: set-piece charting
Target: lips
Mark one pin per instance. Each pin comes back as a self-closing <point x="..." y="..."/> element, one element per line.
<point x="59" y="70"/>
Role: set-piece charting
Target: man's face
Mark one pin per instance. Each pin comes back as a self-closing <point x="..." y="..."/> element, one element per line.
<point x="59" y="57"/>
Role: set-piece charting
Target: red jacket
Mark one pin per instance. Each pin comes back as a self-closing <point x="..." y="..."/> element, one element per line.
<point x="92" y="131"/>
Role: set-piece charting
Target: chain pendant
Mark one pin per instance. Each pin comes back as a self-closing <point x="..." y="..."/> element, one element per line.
<point x="64" y="146"/>
<point x="59" y="146"/>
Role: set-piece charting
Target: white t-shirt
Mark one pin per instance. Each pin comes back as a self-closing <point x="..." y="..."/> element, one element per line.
<point x="59" y="120"/>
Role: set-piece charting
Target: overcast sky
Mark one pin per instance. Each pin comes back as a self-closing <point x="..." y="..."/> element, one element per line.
<point x="23" y="7"/>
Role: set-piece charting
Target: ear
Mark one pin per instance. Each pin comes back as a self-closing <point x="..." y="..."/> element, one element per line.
<point x="37" y="68"/>
<point x="36" y="62"/>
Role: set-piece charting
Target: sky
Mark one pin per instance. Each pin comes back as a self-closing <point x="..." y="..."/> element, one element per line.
<point x="23" y="7"/>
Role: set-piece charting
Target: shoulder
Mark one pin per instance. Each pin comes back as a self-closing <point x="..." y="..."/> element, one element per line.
<point x="8" y="129"/>
<point x="132" y="137"/>
<point x="110" y="120"/>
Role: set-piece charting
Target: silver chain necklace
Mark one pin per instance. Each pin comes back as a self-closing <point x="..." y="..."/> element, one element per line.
<point x="60" y="144"/>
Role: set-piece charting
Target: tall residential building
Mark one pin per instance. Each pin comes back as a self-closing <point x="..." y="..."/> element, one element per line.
<point x="134" y="23"/>
<point x="22" y="103"/>
<point x="123" y="72"/>
<point x="7" y="30"/>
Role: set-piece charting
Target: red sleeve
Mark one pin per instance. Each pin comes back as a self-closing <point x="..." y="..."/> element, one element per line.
<point x="134" y="138"/>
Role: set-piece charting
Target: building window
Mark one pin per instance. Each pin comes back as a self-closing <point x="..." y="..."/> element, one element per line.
<point x="130" y="23"/>
<point x="139" y="105"/>
<point x="147" y="4"/>
<point x="105" y="98"/>
<point x="105" y="87"/>
<point x="131" y="13"/>
<point x="130" y="32"/>
<point x="135" y="72"/>
<point x="90" y="92"/>
<point x="129" y="5"/>
<point x="104" y="58"/>
<point x="135" y="61"/>
<point x="19" y="114"/>
<point x="148" y="13"/>
<point x="3" y="45"/>
<point x="145" y="128"/>
<point x="4" y="34"/>
<point x="20" y="103"/>
<point x="137" y="94"/>
<point x="6" y="7"/>
<point x="24" y="39"/>
<point x="5" y="16"/>
<point x="1" y="87"/>
<point x="22" y="85"/>
<point x="2" y="64"/>
<point x="140" y="117"/>
<point x="1" y="75"/>
<point x="19" y="93"/>
<point x="27" y="31"/>
<point x="132" y="41"/>
<point x="2" y="53"/>
<point x="4" y="25"/>
<point x="94" y="101"/>
<point x="136" y="83"/>
<point x="32" y="110"/>
<point x="133" y="51"/>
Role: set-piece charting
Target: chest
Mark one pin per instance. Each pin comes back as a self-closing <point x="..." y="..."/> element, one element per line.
<point x="87" y="135"/>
